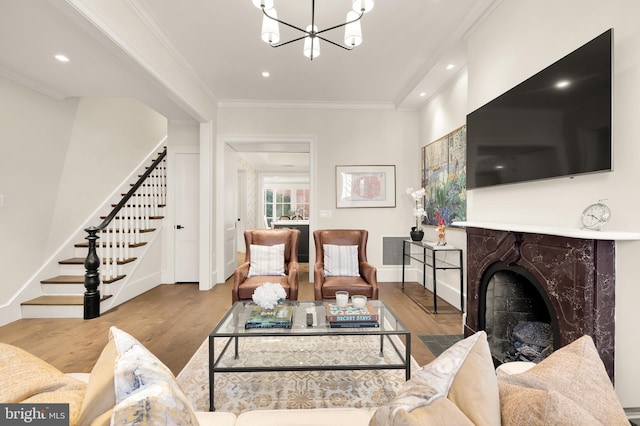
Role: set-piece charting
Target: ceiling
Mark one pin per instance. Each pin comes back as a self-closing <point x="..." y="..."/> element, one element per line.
<point x="407" y="46"/>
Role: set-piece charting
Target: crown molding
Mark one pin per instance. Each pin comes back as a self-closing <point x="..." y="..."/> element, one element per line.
<point x="232" y="103"/>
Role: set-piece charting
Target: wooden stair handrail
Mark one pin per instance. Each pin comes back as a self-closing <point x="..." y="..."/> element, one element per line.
<point x="92" y="261"/>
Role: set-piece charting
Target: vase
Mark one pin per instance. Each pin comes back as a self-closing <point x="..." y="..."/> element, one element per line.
<point x="416" y="235"/>
<point x="441" y="238"/>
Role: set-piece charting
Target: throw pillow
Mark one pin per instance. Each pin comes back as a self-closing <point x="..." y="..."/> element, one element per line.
<point x="459" y="387"/>
<point x="145" y="389"/>
<point x="266" y="260"/>
<point x="28" y="379"/>
<point x="571" y="386"/>
<point x="340" y="261"/>
<point x="100" y="396"/>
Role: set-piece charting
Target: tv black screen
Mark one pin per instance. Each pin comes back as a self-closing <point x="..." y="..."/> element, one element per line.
<point x="556" y="123"/>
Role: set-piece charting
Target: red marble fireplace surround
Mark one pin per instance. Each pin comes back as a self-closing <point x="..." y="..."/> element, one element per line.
<point x="575" y="275"/>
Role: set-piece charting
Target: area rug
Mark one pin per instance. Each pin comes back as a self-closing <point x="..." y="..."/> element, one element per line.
<point x="438" y="343"/>
<point x="240" y="392"/>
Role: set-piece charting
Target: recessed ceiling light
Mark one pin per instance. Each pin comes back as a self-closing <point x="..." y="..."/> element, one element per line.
<point x="265" y="74"/>
<point x="423" y="94"/>
<point x="62" y="58"/>
<point x="562" y="84"/>
<point x="450" y="66"/>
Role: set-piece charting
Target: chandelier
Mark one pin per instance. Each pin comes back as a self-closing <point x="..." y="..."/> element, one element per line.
<point x="311" y="35"/>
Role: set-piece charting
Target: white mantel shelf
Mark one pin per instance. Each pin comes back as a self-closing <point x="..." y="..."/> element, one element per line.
<point x="562" y="232"/>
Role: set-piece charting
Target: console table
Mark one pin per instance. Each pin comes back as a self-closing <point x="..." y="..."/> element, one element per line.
<point x="429" y="258"/>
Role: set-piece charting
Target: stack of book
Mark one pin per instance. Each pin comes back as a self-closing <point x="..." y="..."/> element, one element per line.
<point x="279" y="317"/>
<point x="351" y="317"/>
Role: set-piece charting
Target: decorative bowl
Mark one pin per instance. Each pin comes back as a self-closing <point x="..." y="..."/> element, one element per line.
<point x="359" y="301"/>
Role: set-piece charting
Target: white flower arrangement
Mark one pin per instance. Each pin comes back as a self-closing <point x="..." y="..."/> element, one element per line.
<point x="268" y="295"/>
<point x="418" y="210"/>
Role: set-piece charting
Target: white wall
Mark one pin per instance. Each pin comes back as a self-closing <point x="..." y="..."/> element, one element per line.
<point x="519" y="39"/>
<point x="35" y="131"/>
<point x="445" y="112"/>
<point x="183" y="134"/>
<point x="344" y="137"/>
<point x="110" y="138"/>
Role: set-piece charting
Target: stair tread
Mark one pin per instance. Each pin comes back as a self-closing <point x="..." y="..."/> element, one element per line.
<point x="144" y="205"/>
<point x="76" y="279"/>
<point x="140" y="217"/>
<point x="65" y="279"/>
<point x="59" y="300"/>
<point x="117" y="245"/>
<point x="142" y="231"/>
<point x="80" y="261"/>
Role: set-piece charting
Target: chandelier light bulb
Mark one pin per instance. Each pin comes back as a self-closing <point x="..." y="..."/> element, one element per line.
<point x="311" y="48"/>
<point x="353" y="31"/>
<point x="359" y="5"/>
<point x="268" y="4"/>
<point x="270" y="29"/>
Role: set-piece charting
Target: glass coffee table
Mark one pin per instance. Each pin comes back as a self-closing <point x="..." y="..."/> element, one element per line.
<point x="306" y="348"/>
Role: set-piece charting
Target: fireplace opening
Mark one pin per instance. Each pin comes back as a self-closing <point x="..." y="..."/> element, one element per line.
<point x="517" y="315"/>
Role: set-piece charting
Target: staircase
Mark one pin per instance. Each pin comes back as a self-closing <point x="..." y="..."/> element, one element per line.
<point x="123" y="235"/>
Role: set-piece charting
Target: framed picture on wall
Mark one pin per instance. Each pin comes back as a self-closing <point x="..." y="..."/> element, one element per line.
<point x="444" y="178"/>
<point x="365" y="186"/>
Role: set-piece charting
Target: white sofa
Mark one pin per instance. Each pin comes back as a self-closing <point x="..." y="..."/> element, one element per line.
<point x="302" y="417"/>
<point x="129" y="385"/>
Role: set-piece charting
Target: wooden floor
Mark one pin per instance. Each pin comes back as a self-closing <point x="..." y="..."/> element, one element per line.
<point x="173" y="320"/>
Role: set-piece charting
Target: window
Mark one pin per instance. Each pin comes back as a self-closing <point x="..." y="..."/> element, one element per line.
<point x="286" y="200"/>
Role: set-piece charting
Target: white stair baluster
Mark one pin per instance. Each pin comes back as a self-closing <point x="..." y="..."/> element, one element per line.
<point x="114" y="251"/>
<point x="125" y="230"/>
<point x="147" y="204"/>
<point x="120" y="220"/>
<point x="136" y="221"/>
<point x="163" y="186"/>
<point x="156" y="189"/>
<point x="107" y="264"/>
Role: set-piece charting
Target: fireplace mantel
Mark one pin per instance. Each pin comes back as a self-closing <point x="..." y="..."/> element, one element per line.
<point x="561" y="232"/>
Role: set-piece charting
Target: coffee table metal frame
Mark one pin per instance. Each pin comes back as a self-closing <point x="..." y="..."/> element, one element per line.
<point x="232" y="327"/>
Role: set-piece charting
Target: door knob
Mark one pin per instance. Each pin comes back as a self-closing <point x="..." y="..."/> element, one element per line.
<point x="179" y="227"/>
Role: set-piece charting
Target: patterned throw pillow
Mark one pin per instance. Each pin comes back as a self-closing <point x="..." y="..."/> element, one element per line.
<point x="340" y="261"/>
<point x="266" y="260"/>
<point x="146" y="390"/>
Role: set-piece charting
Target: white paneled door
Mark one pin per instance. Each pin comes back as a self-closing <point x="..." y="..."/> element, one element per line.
<point x="187" y="216"/>
<point x="230" y="209"/>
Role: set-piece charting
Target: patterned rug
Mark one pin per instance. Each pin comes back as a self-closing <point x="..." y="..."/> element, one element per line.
<point x="240" y="392"/>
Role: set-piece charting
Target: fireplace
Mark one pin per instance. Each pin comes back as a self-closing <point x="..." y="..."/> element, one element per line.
<point x="519" y="318"/>
<point x="566" y="283"/>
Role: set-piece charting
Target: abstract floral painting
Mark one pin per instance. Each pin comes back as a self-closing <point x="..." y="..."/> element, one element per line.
<point x="444" y="177"/>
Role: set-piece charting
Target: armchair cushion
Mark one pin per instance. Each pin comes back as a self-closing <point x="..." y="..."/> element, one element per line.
<point x="267" y="260"/>
<point x="340" y="261"/>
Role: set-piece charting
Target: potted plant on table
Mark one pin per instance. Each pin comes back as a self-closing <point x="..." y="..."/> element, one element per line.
<point x="417" y="234"/>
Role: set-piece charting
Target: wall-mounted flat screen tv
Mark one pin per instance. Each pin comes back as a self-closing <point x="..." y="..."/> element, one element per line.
<point x="556" y="123"/>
